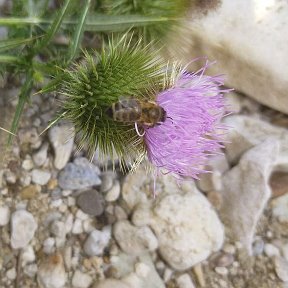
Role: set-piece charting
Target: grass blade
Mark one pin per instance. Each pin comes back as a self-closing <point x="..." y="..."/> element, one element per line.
<point x="23" y="98"/>
<point x="9" y="59"/>
<point x="50" y="33"/>
<point x="77" y="37"/>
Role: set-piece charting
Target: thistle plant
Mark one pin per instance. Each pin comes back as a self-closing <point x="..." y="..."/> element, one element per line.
<point x="193" y="103"/>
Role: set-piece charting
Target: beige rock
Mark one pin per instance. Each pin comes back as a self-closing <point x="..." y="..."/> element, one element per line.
<point x="246" y="39"/>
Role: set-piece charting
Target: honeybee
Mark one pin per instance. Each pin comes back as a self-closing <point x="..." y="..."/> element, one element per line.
<point x="143" y="112"/>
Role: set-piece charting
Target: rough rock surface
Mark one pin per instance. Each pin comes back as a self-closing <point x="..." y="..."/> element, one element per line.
<point x="259" y="68"/>
<point x="246" y="191"/>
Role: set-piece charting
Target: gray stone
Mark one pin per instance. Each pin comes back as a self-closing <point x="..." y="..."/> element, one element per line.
<point x="40" y="177"/>
<point x="246" y="192"/>
<point x="185" y="281"/>
<point x="62" y="140"/>
<point x="91" y="202"/>
<point x="107" y="179"/>
<point x="23" y="227"/>
<point x="79" y="175"/>
<point x="40" y="156"/>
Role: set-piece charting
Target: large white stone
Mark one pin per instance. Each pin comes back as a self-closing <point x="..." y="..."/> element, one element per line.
<point x="187" y="228"/>
<point x="246" y="191"/>
<point x="247" y="39"/>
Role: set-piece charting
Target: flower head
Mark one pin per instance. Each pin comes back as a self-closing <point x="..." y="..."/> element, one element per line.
<point x="192" y="130"/>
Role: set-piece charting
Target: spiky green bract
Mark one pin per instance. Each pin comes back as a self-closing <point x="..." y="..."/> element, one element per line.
<point x="91" y="87"/>
<point x="170" y="10"/>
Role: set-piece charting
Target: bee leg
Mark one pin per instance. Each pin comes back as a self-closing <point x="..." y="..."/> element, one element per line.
<point x="137" y="131"/>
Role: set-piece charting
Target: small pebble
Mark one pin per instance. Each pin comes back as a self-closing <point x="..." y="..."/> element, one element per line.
<point x="167" y="274"/>
<point x="4" y="215"/>
<point x="229" y="248"/>
<point x="81" y="280"/>
<point x="270" y="250"/>
<point x="40" y="157"/>
<point x="28" y="255"/>
<point x="91" y="202"/>
<point x="80" y="174"/>
<point x="185" y="281"/>
<point x="23" y="227"/>
<point x="114" y="192"/>
<point x="258" y="247"/>
<point x="97" y="241"/>
<point x="107" y="181"/>
<point x="224" y="260"/>
<point x="69" y="223"/>
<point x="30" y="270"/>
<point x="27" y="164"/>
<point x="221" y="270"/>
<point x="142" y="270"/>
<point x="62" y="140"/>
<point x="11" y="274"/>
<point x="51" y="272"/>
<point x="49" y="245"/>
<point x="77" y="227"/>
<point x="40" y="177"/>
<point x="30" y="192"/>
<point x="10" y="177"/>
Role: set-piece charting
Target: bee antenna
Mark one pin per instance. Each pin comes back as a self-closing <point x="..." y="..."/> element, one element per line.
<point x="136" y="128"/>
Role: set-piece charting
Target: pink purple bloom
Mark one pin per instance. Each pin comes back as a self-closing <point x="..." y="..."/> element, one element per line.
<point x="193" y="130"/>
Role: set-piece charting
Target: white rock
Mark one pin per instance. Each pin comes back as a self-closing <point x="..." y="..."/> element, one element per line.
<point x="10" y="177"/>
<point x="11" y="274"/>
<point x="81" y="280"/>
<point x="185" y="281"/>
<point x="40" y="177"/>
<point x="23" y="227"/>
<point x="51" y="272"/>
<point x="142" y="270"/>
<point x="134" y="240"/>
<point x="40" y="156"/>
<point x="187" y="228"/>
<point x="120" y="213"/>
<point x="247" y="132"/>
<point x="30" y="270"/>
<point x="280" y="208"/>
<point x="132" y="269"/>
<point x="69" y="223"/>
<point x="62" y="139"/>
<point x="77" y="226"/>
<point x="281" y="268"/>
<point x="28" y="255"/>
<point x="81" y="215"/>
<point x="4" y="215"/>
<point x="97" y="241"/>
<point x="88" y="225"/>
<point x="58" y="229"/>
<point x="167" y="275"/>
<point x="221" y="270"/>
<point x="27" y="164"/>
<point x="114" y="192"/>
<point x="49" y="245"/>
<point x="246" y="192"/>
<point x="271" y="250"/>
<point x="255" y="26"/>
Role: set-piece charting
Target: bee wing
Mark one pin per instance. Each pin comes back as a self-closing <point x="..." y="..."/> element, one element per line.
<point x="129" y="102"/>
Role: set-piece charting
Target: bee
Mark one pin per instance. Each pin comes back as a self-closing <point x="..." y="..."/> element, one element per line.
<point x="143" y="112"/>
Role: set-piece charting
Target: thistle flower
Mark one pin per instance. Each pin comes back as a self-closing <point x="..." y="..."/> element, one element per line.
<point x="192" y="130"/>
<point x="91" y="87"/>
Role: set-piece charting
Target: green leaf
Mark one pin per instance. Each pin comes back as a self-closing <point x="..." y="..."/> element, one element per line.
<point x="78" y="34"/>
